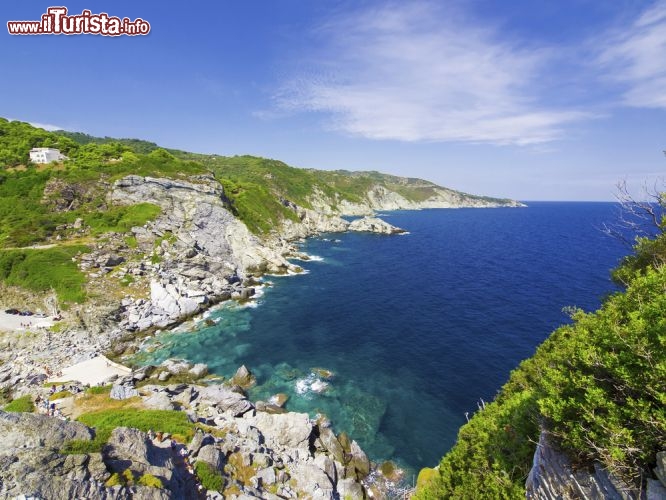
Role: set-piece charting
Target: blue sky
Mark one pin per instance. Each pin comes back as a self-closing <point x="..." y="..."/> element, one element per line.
<point x="546" y="99"/>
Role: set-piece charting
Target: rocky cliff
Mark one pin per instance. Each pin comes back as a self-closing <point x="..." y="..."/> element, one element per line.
<point x="553" y="477"/>
<point x="204" y="253"/>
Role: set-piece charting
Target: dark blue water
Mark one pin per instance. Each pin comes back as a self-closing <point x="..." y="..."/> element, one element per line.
<point x="416" y="328"/>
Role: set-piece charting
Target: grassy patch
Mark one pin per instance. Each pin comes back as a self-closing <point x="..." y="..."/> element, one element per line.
<point x="83" y="446"/>
<point x="174" y="422"/>
<point x="99" y="389"/>
<point x="60" y="395"/>
<point x="131" y="242"/>
<point x="23" y="404"/>
<point x="44" y="270"/>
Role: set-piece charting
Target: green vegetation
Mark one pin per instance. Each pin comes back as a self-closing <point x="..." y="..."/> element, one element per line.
<point x="60" y="395"/>
<point x="115" y="480"/>
<point x="174" y="422"/>
<point x="150" y="481"/>
<point x="121" y="219"/>
<point x="128" y="478"/>
<point x="82" y="446"/>
<point x="45" y="269"/>
<point x="210" y="478"/>
<point x="258" y="190"/>
<point x="597" y="385"/>
<point x="23" y="404"/>
<point x="99" y="389"/>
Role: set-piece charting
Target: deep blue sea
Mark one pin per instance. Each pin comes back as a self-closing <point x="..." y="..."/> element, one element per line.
<point x="416" y="328"/>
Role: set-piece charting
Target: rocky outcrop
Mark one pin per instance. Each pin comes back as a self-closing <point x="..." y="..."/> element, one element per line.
<point x="373" y="225"/>
<point x="203" y="254"/>
<point x="553" y="477"/>
<point x="261" y="451"/>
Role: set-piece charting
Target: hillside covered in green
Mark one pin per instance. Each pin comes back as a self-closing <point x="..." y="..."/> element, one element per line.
<point x="40" y="205"/>
<point x="598" y="386"/>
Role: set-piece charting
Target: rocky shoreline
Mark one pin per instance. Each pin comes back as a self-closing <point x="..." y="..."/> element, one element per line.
<point x="257" y="450"/>
<point x="194" y="255"/>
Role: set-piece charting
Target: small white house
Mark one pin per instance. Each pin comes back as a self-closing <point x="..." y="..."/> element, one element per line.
<point x="46" y="155"/>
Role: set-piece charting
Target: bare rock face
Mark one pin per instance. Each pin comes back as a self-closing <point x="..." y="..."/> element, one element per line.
<point x="204" y="253"/>
<point x="197" y="214"/>
<point x="26" y="430"/>
<point x="553" y="477"/>
<point x="283" y="430"/>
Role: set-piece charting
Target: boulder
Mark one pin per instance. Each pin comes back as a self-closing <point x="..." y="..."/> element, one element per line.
<point x="279" y="399"/>
<point x="212" y="456"/>
<point x="267" y="476"/>
<point x="158" y="401"/>
<point x="660" y="469"/>
<point x="199" y="370"/>
<point x="327" y="465"/>
<point x="129" y="444"/>
<point x="286" y="430"/>
<point x="176" y="366"/>
<point x="315" y="481"/>
<point x="27" y="430"/>
<point x="123" y="392"/>
<point x="112" y="260"/>
<point x="198" y="441"/>
<point x="225" y="400"/>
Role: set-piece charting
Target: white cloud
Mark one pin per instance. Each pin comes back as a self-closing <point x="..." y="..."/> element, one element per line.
<point x="635" y="57"/>
<point x="413" y="72"/>
<point x="46" y="126"/>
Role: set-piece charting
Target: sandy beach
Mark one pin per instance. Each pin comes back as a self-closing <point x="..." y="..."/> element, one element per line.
<point x="92" y="371"/>
<point x="16" y="323"/>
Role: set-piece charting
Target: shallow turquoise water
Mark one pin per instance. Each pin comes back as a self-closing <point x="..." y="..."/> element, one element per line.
<point x="416" y="328"/>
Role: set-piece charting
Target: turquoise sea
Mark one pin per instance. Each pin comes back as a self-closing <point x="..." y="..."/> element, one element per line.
<point x="417" y="328"/>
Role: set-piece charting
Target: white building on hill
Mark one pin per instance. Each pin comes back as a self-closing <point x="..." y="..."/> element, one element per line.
<point x="46" y="155"/>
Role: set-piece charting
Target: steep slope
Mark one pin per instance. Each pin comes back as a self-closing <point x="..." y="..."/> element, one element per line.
<point x="593" y="397"/>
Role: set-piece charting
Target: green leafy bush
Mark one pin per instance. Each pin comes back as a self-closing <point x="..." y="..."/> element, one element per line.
<point x="150" y="481"/>
<point x="210" y="478"/>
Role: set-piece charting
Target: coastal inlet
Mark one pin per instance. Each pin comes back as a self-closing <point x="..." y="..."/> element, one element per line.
<point x="415" y="329"/>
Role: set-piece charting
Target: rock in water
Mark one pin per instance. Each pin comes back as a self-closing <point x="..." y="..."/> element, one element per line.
<point x="359" y="460"/>
<point x="374" y="225"/>
<point x="243" y="378"/>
